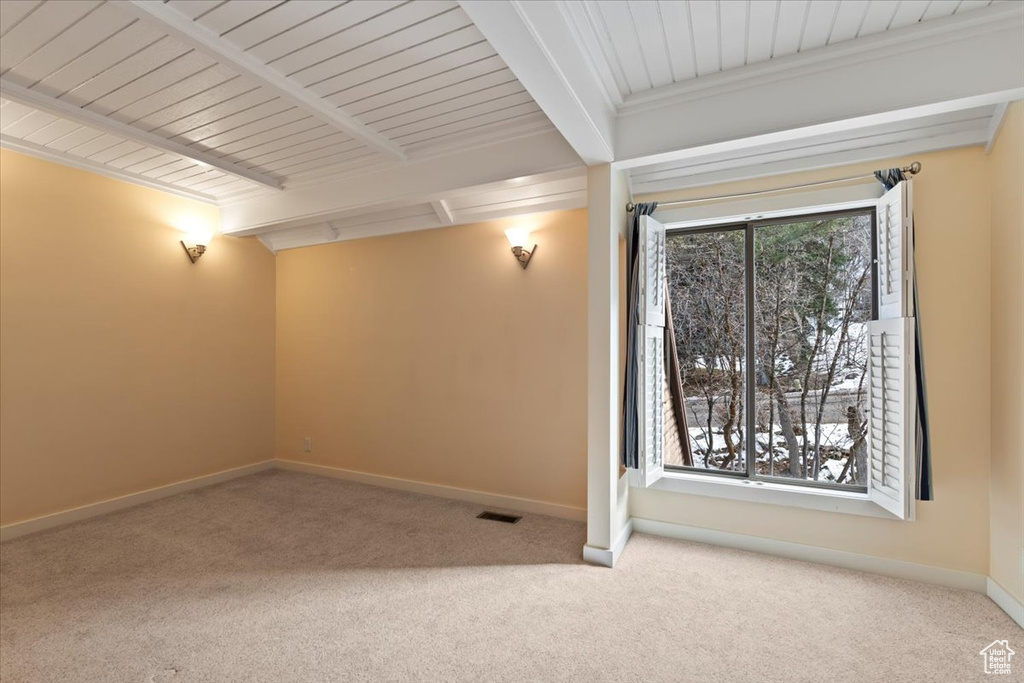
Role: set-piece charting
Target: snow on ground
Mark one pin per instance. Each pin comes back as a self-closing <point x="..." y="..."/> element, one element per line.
<point x="834" y="436"/>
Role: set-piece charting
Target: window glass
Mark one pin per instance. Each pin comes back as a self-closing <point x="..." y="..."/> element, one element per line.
<point x="813" y="284"/>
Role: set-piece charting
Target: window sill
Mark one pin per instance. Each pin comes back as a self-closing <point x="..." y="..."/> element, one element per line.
<point x="826" y="500"/>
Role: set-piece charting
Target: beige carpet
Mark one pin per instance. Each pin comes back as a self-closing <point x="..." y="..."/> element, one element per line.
<point x="283" y="577"/>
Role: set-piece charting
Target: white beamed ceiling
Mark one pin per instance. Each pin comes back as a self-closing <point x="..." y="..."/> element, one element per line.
<point x="559" y="190"/>
<point x="418" y="75"/>
<point x="639" y="46"/>
<point x="312" y="121"/>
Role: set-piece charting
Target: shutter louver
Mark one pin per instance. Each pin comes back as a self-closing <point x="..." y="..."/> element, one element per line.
<point x="651" y="378"/>
<point x="652" y="272"/>
<point x="895" y="219"/>
<point x="650" y="340"/>
<point x="891" y="404"/>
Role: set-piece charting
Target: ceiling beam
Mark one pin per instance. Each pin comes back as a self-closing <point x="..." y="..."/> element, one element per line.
<point x="926" y="71"/>
<point x="536" y="41"/>
<point x="208" y="42"/>
<point x="329" y="233"/>
<point x="56" y="156"/>
<point x="444" y="213"/>
<point x="67" y="110"/>
<point x="994" y="125"/>
<point x="413" y="182"/>
<point x="812" y="160"/>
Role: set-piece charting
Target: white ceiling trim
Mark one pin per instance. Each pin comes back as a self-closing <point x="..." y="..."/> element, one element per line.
<point x="927" y="133"/>
<point x="208" y="42"/>
<point x="795" y="135"/>
<point x="995" y="125"/>
<point x="779" y="165"/>
<point x="531" y="37"/>
<point x="82" y="163"/>
<point x="484" y="203"/>
<point x="86" y="117"/>
<point x="888" y="44"/>
<point x="401" y="184"/>
<point x="444" y="214"/>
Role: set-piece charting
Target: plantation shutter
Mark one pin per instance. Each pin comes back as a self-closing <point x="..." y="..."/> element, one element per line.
<point x="891" y="403"/>
<point x="650" y="351"/>
<point x="892" y="382"/>
<point x="895" y="218"/>
<point x="652" y="272"/>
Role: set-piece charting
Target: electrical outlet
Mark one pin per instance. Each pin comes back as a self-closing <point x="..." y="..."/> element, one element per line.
<point x="307" y="445"/>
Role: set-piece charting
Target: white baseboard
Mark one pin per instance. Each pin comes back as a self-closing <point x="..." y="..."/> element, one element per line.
<point x="531" y="506"/>
<point x="605" y="557"/>
<point x="900" y="569"/>
<point x="30" y="526"/>
<point x="1006" y="602"/>
<point x="600" y="556"/>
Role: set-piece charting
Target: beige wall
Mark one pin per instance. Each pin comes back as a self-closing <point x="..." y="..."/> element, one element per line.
<point x="1007" y="491"/>
<point x="124" y="366"/>
<point x="953" y="254"/>
<point x="432" y="356"/>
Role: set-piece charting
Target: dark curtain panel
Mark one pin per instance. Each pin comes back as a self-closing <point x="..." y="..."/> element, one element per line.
<point x="630" y="426"/>
<point x="675" y="381"/>
<point x="889" y="178"/>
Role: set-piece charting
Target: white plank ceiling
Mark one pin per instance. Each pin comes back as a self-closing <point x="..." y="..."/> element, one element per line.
<point x="271" y="103"/>
<point x="641" y="45"/>
<point x="418" y="75"/>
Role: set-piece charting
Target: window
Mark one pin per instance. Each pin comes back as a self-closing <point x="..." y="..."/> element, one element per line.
<point x="770" y="342"/>
<point x="786" y="356"/>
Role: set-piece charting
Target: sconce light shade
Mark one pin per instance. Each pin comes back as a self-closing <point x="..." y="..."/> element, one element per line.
<point x="518" y="238"/>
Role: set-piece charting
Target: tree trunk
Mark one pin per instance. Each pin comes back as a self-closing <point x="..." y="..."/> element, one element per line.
<point x="859" y="450"/>
<point x="786" y="425"/>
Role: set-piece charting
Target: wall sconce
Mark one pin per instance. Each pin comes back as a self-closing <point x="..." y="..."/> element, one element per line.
<point x="194" y="252"/>
<point x="518" y="238"/>
<point x="198" y="238"/>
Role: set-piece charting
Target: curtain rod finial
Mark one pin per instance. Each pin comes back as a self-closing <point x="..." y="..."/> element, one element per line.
<point x="629" y="207"/>
<point x="914" y="168"/>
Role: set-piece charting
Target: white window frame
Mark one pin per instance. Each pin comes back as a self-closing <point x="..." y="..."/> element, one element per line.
<point x="760" y="491"/>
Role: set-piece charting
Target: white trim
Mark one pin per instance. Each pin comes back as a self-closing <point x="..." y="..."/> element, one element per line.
<point x="900" y="569"/>
<point x="328" y="232"/>
<point x="413" y="182"/>
<point x="995" y="125"/>
<point x="531" y="39"/>
<point x="855" y="195"/>
<point x="607" y="558"/>
<point x="209" y="43"/>
<point x="444" y="213"/>
<point x="266" y="241"/>
<point x="769" y="214"/>
<point x="57" y="157"/>
<point x="801" y="133"/>
<point x="537" y="507"/>
<point x="87" y="117"/>
<point x="884" y="45"/>
<point x="1009" y="604"/>
<point x="798" y="158"/>
<point x="30" y="526"/>
<point x="770" y="493"/>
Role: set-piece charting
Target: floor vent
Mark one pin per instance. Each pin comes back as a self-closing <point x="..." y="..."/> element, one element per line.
<point x="498" y="517"/>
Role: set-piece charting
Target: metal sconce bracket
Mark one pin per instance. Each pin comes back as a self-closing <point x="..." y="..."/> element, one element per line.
<point x="524" y="256"/>
<point x="195" y="252"/>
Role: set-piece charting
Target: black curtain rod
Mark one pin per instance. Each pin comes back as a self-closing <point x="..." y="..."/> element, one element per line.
<point x="912" y="169"/>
